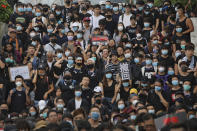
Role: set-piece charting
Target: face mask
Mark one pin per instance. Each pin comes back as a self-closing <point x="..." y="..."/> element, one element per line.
<point x="179" y="30"/>
<point x="166" y="43"/>
<point x="94" y="58"/>
<point x="150" y="5"/>
<point x="186" y="87"/>
<point x="67" y="53"/>
<point x="175" y="82"/>
<point x="135" y="102"/>
<point x="98" y="101"/>
<point x="151" y="111"/>
<point x="70" y="62"/>
<point x="155" y="63"/>
<point x="146" y="24"/>
<point x="133" y="117"/>
<point x="77" y="93"/>
<point x="18" y="84"/>
<point x="59" y="55"/>
<point x="164" y="52"/>
<point x="183" y="47"/>
<point x="108" y="76"/>
<point x="70" y="38"/>
<point x="49" y="30"/>
<point x="75" y="28"/>
<point x="60" y="106"/>
<point x="191" y="116"/>
<point x="148" y="62"/>
<point x="70" y="122"/>
<point x="144" y="85"/>
<point x="146" y="12"/>
<point x="120" y="28"/>
<point x="58" y="12"/>
<point x="20" y="10"/>
<point x="161" y="69"/>
<point x="53" y="41"/>
<point x="33" y="43"/>
<point x="18" y="28"/>
<point x="62" y="31"/>
<point x="4" y="111"/>
<point x="170" y="72"/>
<point x="127" y="55"/>
<point x="29" y="9"/>
<point x="36" y="29"/>
<point x="180" y="100"/>
<point x="140" y="8"/>
<point x="157" y="88"/>
<point x="95" y="115"/>
<point x="33" y="113"/>
<point x="38" y="14"/>
<point x="155" y="42"/>
<point x="136" y="60"/>
<point x="90" y="66"/>
<point x="115" y="9"/>
<point x="125" y="84"/>
<point x="44" y="115"/>
<point x="128" y="45"/>
<point x="79" y="64"/>
<point x="79" y="36"/>
<point x="32" y="34"/>
<point x="121" y="106"/>
<point x="177" y="54"/>
<point x="108" y="6"/>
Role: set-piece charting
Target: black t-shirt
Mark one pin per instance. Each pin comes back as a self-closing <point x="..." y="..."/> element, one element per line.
<point x="123" y="94"/>
<point x="2" y="73"/>
<point x="78" y="74"/>
<point x="24" y="19"/>
<point x="168" y="62"/>
<point x="177" y="40"/>
<point x="94" y="78"/>
<point x="109" y="91"/>
<point x="154" y="100"/>
<point x="87" y="94"/>
<point x="189" y="77"/>
<point x="18" y="101"/>
<point x="173" y="92"/>
<point x="110" y="26"/>
<point x="131" y="31"/>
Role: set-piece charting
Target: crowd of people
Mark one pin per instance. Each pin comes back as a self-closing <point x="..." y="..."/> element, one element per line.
<point x="107" y="67"/>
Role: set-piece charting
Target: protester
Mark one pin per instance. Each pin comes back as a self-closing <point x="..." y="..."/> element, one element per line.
<point x="108" y="67"/>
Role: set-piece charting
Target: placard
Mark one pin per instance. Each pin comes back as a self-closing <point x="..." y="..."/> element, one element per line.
<point x="96" y="40"/>
<point x="19" y="70"/>
<point x="124" y="71"/>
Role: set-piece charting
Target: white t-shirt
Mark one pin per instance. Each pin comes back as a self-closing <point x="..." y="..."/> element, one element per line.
<point x="94" y="21"/>
<point x="78" y="103"/>
<point x="125" y="20"/>
<point x="50" y="47"/>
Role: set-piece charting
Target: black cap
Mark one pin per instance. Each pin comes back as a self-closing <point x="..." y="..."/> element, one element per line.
<point x="41" y="66"/>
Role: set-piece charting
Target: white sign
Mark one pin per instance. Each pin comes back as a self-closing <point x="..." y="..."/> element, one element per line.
<point x="194" y="34"/>
<point x="20" y="70"/>
<point x="124" y="71"/>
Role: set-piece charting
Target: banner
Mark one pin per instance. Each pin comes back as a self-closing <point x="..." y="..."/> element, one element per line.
<point x="96" y="40"/>
<point x="19" y="70"/>
<point x="124" y="71"/>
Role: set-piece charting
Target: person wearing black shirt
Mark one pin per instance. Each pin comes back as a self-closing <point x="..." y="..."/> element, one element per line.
<point x="125" y="90"/>
<point x="132" y="28"/>
<point x="159" y="98"/>
<point x="110" y="23"/>
<point x="18" y="97"/>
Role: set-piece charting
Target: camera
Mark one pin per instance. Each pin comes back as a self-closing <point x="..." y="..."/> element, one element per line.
<point x="184" y="68"/>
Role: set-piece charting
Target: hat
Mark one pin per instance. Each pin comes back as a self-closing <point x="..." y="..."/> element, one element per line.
<point x="102" y="2"/>
<point x="42" y="104"/>
<point x="91" y="59"/>
<point x="75" y="24"/>
<point x="97" y="89"/>
<point x="86" y="19"/>
<point x="133" y="91"/>
<point x="40" y="124"/>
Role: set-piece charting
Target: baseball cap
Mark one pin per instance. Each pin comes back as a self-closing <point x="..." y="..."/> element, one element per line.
<point x="133" y="91"/>
<point x="97" y="89"/>
<point x="42" y="104"/>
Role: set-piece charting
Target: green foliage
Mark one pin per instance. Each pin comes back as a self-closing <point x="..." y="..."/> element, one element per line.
<point x="5" y="11"/>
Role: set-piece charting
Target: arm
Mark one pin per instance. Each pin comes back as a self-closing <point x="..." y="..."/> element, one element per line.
<point x="2" y="65"/>
<point x="117" y="89"/>
<point x="25" y="86"/>
<point x="51" y="88"/>
<point x="10" y="97"/>
<point x="58" y="64"/>
<point x="35" y="77"/>
<point x="157" y="25"/>
<point x="37" y="50"/>
<point x="28" y="100"/>
<point x="190" y="26"/>
<point x="99" y="48"/>
<point x="163" y="101"/>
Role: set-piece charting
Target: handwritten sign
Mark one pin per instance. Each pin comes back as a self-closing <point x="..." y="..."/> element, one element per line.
<point x="19" y="70"/>
<point x="124" y="71"/>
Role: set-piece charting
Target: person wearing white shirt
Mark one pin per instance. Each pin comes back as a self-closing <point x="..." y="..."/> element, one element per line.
<point x="94" y="20"/>
<point x="125" y="18"/>
<point x="52" y="46"/>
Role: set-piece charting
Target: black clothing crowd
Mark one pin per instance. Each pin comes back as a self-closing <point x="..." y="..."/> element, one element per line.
<point x="108" y="67"/>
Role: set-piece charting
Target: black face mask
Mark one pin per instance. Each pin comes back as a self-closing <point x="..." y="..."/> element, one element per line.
<point x="98" y="101"/>
<point x="67" y="77"/>
<point x="79" y="64"/>
<point x="52" y="19"/>
<point x="53" y="40"/>
<point x="90" y="66"/>
<point x="180" y="100"/>
<point x="45" y="9"/>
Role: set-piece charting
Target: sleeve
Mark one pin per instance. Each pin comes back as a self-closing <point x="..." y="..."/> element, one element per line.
<point x="69" y="106"/>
